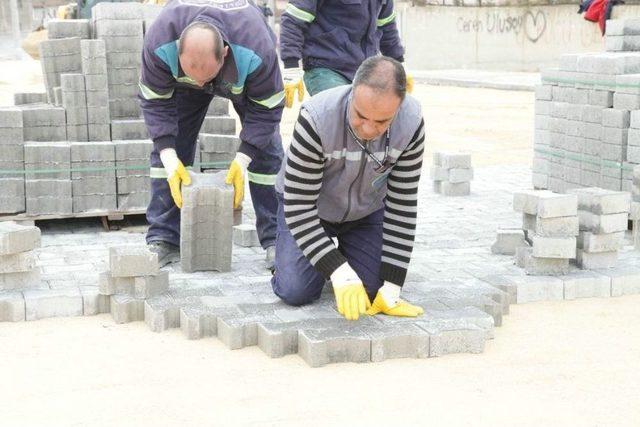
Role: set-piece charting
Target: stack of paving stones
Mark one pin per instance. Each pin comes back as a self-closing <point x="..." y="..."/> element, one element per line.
<point x="18" y="270"/>
<point x="583" y="116"/>
<point x="94" y="68"/>
<point x="93" y="176"/>
<point x="58" y="56"/>
<point x="12" y="193"/>
<point x="603" y="216"/>
<point x="206" y="223"/>
<point x="133" y="277"/>
<point x="74" y="101"/>
<point x="452" y="174"/>
<point x="48" y="178"/>
<point x="121" y="28"/>
<point x="106" y="102"/>
<point x="551" y="224"/>
<point x="132" y="174"/>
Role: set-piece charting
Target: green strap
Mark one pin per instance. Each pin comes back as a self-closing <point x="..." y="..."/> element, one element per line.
<point x="384" y="21"/>
<point x="262" y="179"/>
<point x="299" y="13"/>
<point x="583" y="158"/>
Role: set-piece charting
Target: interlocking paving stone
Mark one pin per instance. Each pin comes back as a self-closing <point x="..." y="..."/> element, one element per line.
<point x="464" y="288"/>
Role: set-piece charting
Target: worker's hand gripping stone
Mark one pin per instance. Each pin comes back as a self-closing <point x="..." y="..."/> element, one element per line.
<point x="292" y="82"/>
<point x="409" y="83"/>
<point x="235" y="176"/>
<point x="177" y="174"/>
<point x="351" y="297"/>
<point x="388" y="301"/>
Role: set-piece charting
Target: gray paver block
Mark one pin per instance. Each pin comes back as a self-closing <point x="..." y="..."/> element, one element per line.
<point x="505" y="284"/>
<point x="197" y="323"/>
<point x="49" y="206"/>
<point x="399" y="341"/>
<point x="507" y="241"/>
<point x="610" y="223"/>
<point x="22" y="98"/>
<point x="45" y="303"/>
<point x="246" y="235"/>
<point x="544" y="203"/>
<point x="538" y="288"/>
<point x="125" y="309"/>
<point x="556" y="227"/>
<point x="127" y="261"/>
<point x="586" y="285"/>
<point x="93" y="302"/>
<point x="15" y="263"/>
<point x="451" y="341"/>
<point x="109" y="285"/>
<point x="12" y="307"/>
<point x="553" y="247"/>
<point x="240" y="332"/>
<point x="126" y="130"/>
<point x="66" y="28"/>
<point x="16" y="238"/>
<point x="455" y="189"/>
<point x="320" y="347"/>
<point x="626" y="101"/>
<point x="596" y="260"/>
<point x="624" y="281"/>
<point x="219" y="125"/>
<point x="151" y="286"/>
<point x="161" y="313"/>
<point x="601" y="201"/>
<point x="600" y="242"/>
<point x="621" y="27"/>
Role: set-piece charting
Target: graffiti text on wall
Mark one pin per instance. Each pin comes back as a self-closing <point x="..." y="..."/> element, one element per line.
<point x="531" y="24"/>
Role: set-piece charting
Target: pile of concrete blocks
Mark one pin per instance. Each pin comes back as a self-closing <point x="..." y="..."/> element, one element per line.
<point x="18" y="270"/>
<point x="122" y="33"/>
<point x="93" y="176"/>
<point x="603" y="216"/>
<point x="12" y="197"/>
<point x="452" y="173"/>
<point x="58" y="56"/>
<point x="94" y="68"/>
<point x="68" y="28"/>
<point x="48" y="178"/>
<point x="129" y="129"/>
<point x="74" y="101"/>
<point x="206" y="223"/>
<point x="550" y="221"/>
<point x="582" y="118"/>
<point x="133" y="276"/>
<point x="623" y="35"/>
<point x="132" y="174"/>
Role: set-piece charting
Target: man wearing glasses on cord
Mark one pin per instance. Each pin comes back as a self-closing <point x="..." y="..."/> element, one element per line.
<point x="351" y="173"/>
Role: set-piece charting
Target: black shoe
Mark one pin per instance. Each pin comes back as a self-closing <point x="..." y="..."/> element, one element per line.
<point x="167" y="253"/>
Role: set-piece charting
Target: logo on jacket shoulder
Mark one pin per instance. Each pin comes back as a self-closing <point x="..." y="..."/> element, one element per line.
<point x="220" y="4"/>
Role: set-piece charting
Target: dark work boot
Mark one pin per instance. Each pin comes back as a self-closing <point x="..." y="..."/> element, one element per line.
<point x="167" y="253"/>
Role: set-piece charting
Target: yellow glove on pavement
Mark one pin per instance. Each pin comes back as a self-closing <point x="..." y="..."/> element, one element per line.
<point x="235" y="176"/>
<point x="351" y="297"/>
<point x="409" y="83"/>
<point x="388" y="301"/>
<point x="292" y="82"/>
<point x="177" y="175"/>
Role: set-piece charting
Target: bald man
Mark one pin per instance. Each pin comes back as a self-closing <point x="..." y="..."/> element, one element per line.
<point x="195" y="50"/>
<point x="351" y="173"/>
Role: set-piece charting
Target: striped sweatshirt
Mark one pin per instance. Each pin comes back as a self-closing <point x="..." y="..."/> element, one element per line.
<point x="327" y="176"/>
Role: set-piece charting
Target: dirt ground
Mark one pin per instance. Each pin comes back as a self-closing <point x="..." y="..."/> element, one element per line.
<point x="551" y="364"/>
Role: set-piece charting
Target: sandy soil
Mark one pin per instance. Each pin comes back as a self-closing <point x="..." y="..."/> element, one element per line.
<point x="551" y="364"/>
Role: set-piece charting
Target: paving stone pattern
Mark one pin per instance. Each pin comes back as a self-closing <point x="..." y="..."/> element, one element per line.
<point x="465" y="289"/>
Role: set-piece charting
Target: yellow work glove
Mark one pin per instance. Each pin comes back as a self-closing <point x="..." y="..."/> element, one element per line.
<point x="409" y="83"/>
<point x="351" y="297"/>
<point x="292" y="82"/>
<point x="235" y="176"/>
<point x="177" y="175"/>
<point x="388" y="301"/>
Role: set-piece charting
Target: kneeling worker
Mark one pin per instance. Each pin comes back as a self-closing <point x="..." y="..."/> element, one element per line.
<point x="352" y="173"/>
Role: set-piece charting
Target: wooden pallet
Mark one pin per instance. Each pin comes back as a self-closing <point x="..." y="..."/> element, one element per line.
<point x="105" y="216"/>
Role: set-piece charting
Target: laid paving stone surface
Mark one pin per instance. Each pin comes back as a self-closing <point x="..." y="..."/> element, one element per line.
<point x="464" y="288"/>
